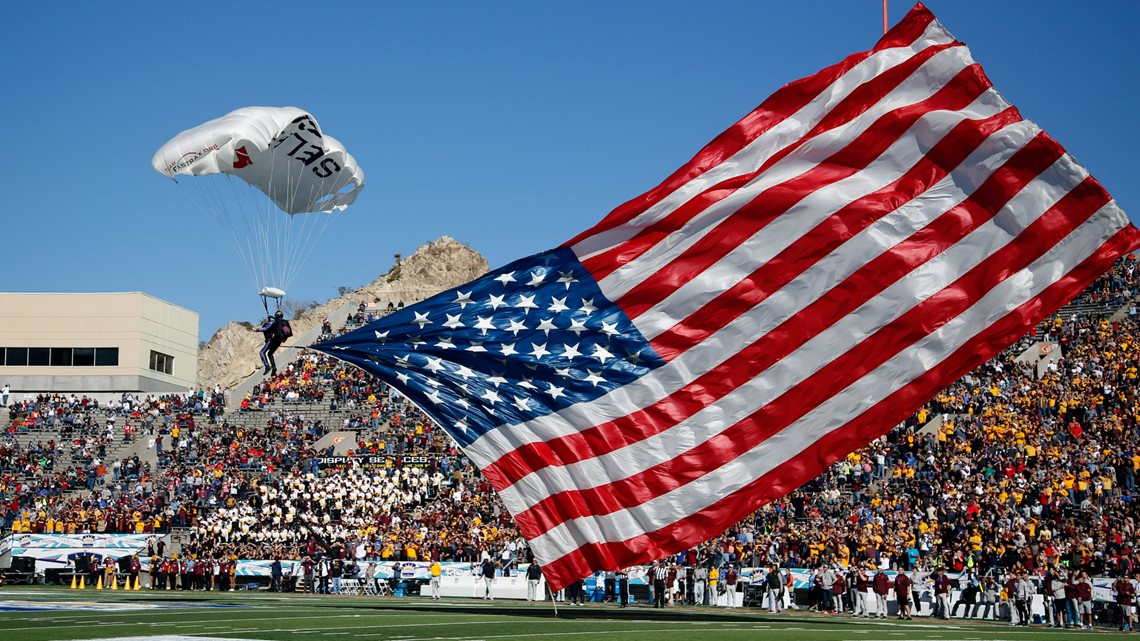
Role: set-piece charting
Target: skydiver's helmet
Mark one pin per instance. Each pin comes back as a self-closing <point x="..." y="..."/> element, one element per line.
<point x="278" y="314"/>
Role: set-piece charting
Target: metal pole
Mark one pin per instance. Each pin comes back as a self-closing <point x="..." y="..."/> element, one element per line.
<point x="884" y="17"/>
<point x="553" y="597"/>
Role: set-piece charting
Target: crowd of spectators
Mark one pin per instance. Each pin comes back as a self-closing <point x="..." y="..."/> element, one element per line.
<point x="1014" y="467"/>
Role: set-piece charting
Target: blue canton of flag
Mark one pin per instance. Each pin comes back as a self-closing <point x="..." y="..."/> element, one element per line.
<point x="518" y="343"/>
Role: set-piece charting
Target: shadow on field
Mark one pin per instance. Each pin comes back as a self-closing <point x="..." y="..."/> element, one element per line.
<point x="546" y="611"/>
<point x="504" y="608"/>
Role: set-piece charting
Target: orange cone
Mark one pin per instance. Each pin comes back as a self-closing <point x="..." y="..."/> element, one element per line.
<point x="138" y="583"/>
<point x="100" y="586"/>
<point x="83" y="582"/>
<point x="114" y="582"/>
<point x="73" y="583"/>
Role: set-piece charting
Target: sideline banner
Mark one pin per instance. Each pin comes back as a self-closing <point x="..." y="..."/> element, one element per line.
<point x="53" y="551"/>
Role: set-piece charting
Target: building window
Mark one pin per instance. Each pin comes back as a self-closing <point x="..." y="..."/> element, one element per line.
<point x="106" y="356"/>
<point x="60" y="356"/>
<point x="83" y="356"/>
<point x="39" y="356"/>
<point x="16" y="356"/>
<point x="160" y="362"/>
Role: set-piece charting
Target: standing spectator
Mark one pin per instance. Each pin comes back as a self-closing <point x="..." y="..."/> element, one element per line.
<point x="700" y="585"/>
<point x="1024" y="598"/>
<point x="308" y="568"/>
<point x="902" y="594"/>
<point x="1055" y="587"/>
<point x="1084" y="608"/>
<point x="336" y="572"/>
<point x="730" y="582"/>
<point x="1072" y="600"/>
<point x="773" y="584"/>
<point x="488" y="571"/>
<point x="134" y="566"/>
<point x="275" y="575"/>
<point x="861" y="585"/>
<point x="323" y="575"/>
<point x="941" y="594"/>
<point x="826" y="579"/>
<point x="436" y="571"/>
<point x="623" y="587"/>
<point x="533" y="576"/>
<point x="4" y="395"/>
<point x="838" y="589"/>
<point x="1124" y="593"/>
<point x="660" y="574"/>
<point x="882" y="587"/>
<point x="395" y="580"/>
<point x="1010" y="590"/>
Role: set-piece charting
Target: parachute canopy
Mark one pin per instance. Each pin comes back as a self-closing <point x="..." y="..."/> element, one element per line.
<point x="268" y="174"/>
<point x="279" y="150"/>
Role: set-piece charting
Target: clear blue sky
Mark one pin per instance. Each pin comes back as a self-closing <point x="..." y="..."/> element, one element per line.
<point x="510" y="126"/>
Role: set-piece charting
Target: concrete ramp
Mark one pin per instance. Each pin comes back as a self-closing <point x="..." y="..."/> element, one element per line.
<point x="341" y="442"/>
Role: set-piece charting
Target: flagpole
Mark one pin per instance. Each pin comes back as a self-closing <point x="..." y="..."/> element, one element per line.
<point x="553" y="598"/>
<point x="884" y="17"/>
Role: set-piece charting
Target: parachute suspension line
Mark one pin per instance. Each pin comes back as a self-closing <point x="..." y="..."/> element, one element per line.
<point x="313" y="228"/>
<point x="248" y="203"/>
<point x="265" y="303"/>
<point x="207" y="197"/>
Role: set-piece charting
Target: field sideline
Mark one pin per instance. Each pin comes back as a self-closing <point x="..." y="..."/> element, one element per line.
<point x="58" y="614"/>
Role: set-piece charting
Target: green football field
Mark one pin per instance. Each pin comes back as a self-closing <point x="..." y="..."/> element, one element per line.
<point x="48" y="614"/>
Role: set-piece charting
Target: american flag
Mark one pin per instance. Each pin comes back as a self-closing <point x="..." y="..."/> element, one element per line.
<point x="816" y="273"/>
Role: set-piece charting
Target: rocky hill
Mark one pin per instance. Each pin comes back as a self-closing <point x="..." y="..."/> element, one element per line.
<point x="231" y="355"/>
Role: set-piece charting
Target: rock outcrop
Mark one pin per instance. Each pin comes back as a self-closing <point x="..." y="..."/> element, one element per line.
<point x="231" y="355"/>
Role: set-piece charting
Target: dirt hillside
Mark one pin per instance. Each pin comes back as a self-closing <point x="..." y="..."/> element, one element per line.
<point x="231" y="355"/>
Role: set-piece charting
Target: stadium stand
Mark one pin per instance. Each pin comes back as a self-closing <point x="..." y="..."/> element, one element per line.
<point x="1011" y="468"/>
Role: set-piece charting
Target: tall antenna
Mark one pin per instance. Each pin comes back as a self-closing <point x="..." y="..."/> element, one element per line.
<point x="884" y="17"/>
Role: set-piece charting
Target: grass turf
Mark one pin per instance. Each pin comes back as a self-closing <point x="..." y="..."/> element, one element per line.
<point x="58" y="614"/>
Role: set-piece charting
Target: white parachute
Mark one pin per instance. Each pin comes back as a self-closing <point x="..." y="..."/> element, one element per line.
<point x="272" y="178"/>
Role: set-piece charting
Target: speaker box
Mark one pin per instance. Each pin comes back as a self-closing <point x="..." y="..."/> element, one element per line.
<point x="125" y="564"/>
<point x="23" y="564"/>
<point x="82" y="564"/>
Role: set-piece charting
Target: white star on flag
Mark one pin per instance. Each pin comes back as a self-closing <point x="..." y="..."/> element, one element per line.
<point x="463" y="299"/>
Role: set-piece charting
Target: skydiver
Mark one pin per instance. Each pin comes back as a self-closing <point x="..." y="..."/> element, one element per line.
<point x="274" y="336"/>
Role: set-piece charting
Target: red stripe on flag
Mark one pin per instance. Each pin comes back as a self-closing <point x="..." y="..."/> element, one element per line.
<point x="808" y="464"/>
<point x="847" y="368"/>
<point x="766" y="206"/>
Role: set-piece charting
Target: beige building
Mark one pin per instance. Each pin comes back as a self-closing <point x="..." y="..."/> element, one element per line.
<point x="95" y="343"/>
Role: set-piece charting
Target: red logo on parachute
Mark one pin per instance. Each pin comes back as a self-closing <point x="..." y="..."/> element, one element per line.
<point x="242" y="160"/>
